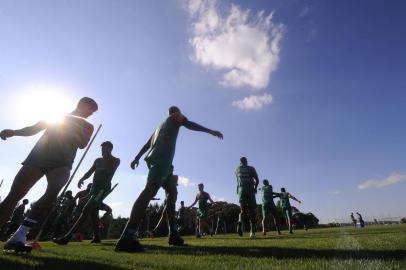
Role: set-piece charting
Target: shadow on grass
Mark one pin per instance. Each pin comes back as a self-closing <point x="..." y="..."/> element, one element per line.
<point x="13" y="262"/>
<point x="283" y="253"/>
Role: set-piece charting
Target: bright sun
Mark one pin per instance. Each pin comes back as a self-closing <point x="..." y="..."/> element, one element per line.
<point x="47" y="103"/>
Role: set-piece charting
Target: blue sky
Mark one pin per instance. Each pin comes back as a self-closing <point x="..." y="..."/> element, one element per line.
<point x="312" y="92"/>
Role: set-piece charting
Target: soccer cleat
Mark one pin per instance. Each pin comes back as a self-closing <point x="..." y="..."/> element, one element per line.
<point x="198" y="235"/>
<point x="264" y="233"/>
<point x="175" y="240"/>
<point x="239" y="229"/>
<point x="252" y="235"/>
<point x="17" y="247"/>
<point x="61" y="241"/>
<point x="131" y="246"/>
<point x="95" y="240"/>
<point x="291" y="232"/>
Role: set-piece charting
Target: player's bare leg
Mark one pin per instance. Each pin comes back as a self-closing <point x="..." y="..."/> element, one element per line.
<point x="23" y="182"/>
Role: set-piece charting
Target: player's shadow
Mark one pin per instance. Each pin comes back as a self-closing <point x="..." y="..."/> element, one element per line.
<point x="284" y="253"/>
<point x="13" y="261"/>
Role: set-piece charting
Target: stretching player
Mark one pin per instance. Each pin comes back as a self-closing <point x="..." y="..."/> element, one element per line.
<point x="202" y="197"/>
<point x="159" y="159"/>
<point x="286" y="207"/>
<point x="103" y="169"/>
<point x="247" y="184"/>
<point x="268" y="207"/>
<point x="52" y="156"/>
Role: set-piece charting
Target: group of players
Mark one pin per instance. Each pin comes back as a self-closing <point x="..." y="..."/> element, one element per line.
<point x="54" y="154"/>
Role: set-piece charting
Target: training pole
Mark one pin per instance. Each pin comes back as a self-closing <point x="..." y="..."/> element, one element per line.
<point x="36" y="245"/>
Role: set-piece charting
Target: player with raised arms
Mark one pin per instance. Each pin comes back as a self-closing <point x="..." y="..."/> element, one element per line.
<point x="52" y="156"/>
<point x="269" y="207"/>
<point x="286" y="207"/>
<point x="161" y="150"/>
<point x="202" y="198"/>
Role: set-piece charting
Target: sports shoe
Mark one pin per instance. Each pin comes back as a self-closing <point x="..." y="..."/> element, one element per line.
<point x="252" y="235"/>
<point x="61" y="241"/>
<point x="175" y="240"/>
<point x="131" y="246"/>
<point x="95" y="240"/>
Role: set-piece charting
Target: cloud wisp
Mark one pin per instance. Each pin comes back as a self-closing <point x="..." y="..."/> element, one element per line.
<point x="244" y="46"/>
<point x="253" y="102"/>
<point x="392" y="179"/>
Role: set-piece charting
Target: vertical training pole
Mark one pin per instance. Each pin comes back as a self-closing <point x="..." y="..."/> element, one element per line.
<point x="64" y="189"/>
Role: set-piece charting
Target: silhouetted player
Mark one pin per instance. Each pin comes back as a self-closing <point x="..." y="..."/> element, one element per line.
<point x="247" y="184"/>
<point x="103" y="169"/>
<point x="16" y="218"/>
<point x="286" y="207"/>
<point x="159" y="159"/>
<point x="52" y="156"/>
<point x="269" y="207"/>
<point x="202" y="211"/>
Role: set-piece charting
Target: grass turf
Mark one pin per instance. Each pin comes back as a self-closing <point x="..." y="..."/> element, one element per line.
<point x="375" y="247"/>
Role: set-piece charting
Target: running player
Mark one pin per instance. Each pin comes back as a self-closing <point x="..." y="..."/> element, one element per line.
<point x="52" y="156"/>
<point x="286" y="207"/>
<point x="360" y="220"/>
<point x="247" y="184"/>
<point x="354" y="221"/>
<point x="103" y="169"/>
<point x="159" y="159"/>
<point x="202" y="212"/>
<point x="268" y="207"/>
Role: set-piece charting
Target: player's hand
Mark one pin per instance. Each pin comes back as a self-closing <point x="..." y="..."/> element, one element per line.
<point x="218" y="134"/>
<point x="134" y="164"/>
<point x="6" y="133"/>
<point x="80" y="183"/>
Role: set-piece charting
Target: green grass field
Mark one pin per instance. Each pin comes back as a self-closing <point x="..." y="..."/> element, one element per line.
<point x="375" y="247"/>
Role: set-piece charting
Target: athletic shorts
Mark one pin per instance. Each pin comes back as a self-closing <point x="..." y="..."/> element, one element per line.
<point x="158" y="173"/>
<point x="98" y="195"/>
<point x="287" y="212"/>
<point x="268" y="209"/>
<point x="202" y="213"/>
<point x="248" y="198"/>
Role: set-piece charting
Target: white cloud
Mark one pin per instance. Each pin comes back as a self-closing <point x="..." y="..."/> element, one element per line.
<point x="380" y="183"/>
<point x="184" y="181"/>
<point x="253" y="102"/>
<point x="305" y="11"/>
<point x="243" y="46"/>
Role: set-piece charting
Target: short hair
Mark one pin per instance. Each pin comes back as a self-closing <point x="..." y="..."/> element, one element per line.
<point x="69" y="192"/>
<point x="87" y="101"/>
<point x="283" y="189"/>
<point x="200" y="185"/>
<point x="182" y="202"/>
<point x="173" y="109"/>
<point x="25" y="201"/>
<point x="244" y="160"/>
<point x="108" y="144"/>
<point x="266" y="182"/>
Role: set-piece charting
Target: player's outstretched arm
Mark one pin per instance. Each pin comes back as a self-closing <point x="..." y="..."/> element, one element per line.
<point x="27" y="131"/>
<point x="293" y="198"/>
<point x="196" y="127"/>
<point x="193" y="203"/>
<point x="210" y="199"/>
<point x="256" y="178"/>
<point x="87" y="175"/>
<point x="143" y="150"/>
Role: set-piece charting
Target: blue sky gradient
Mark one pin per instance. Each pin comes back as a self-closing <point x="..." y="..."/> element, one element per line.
<point x="335" y="121"/>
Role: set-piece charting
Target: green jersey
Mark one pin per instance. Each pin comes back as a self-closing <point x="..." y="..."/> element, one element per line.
<point x="58" y="145"/>
<point x="163" y="143"/>
<point x="267" y="194"/>
<point x="104" y="171"/>
<point x="285" y="200"/>
<point x="245" y="178"/>
<point x="202" y="198"/>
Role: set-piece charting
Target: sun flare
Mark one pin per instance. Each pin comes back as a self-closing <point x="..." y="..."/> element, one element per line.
<point x="48" y="103"/>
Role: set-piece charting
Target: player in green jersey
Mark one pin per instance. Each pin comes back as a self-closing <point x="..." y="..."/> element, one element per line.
<point x="247" y="184"/>
<point x="103" y="169"/>
<point x="180" y="217"/>
<point x="268" y="207"/>
<point x="52" y="156"/>
<point x="286" y="208"/>
<point x="202" y="212"/>
<point x="161" y="150"/>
